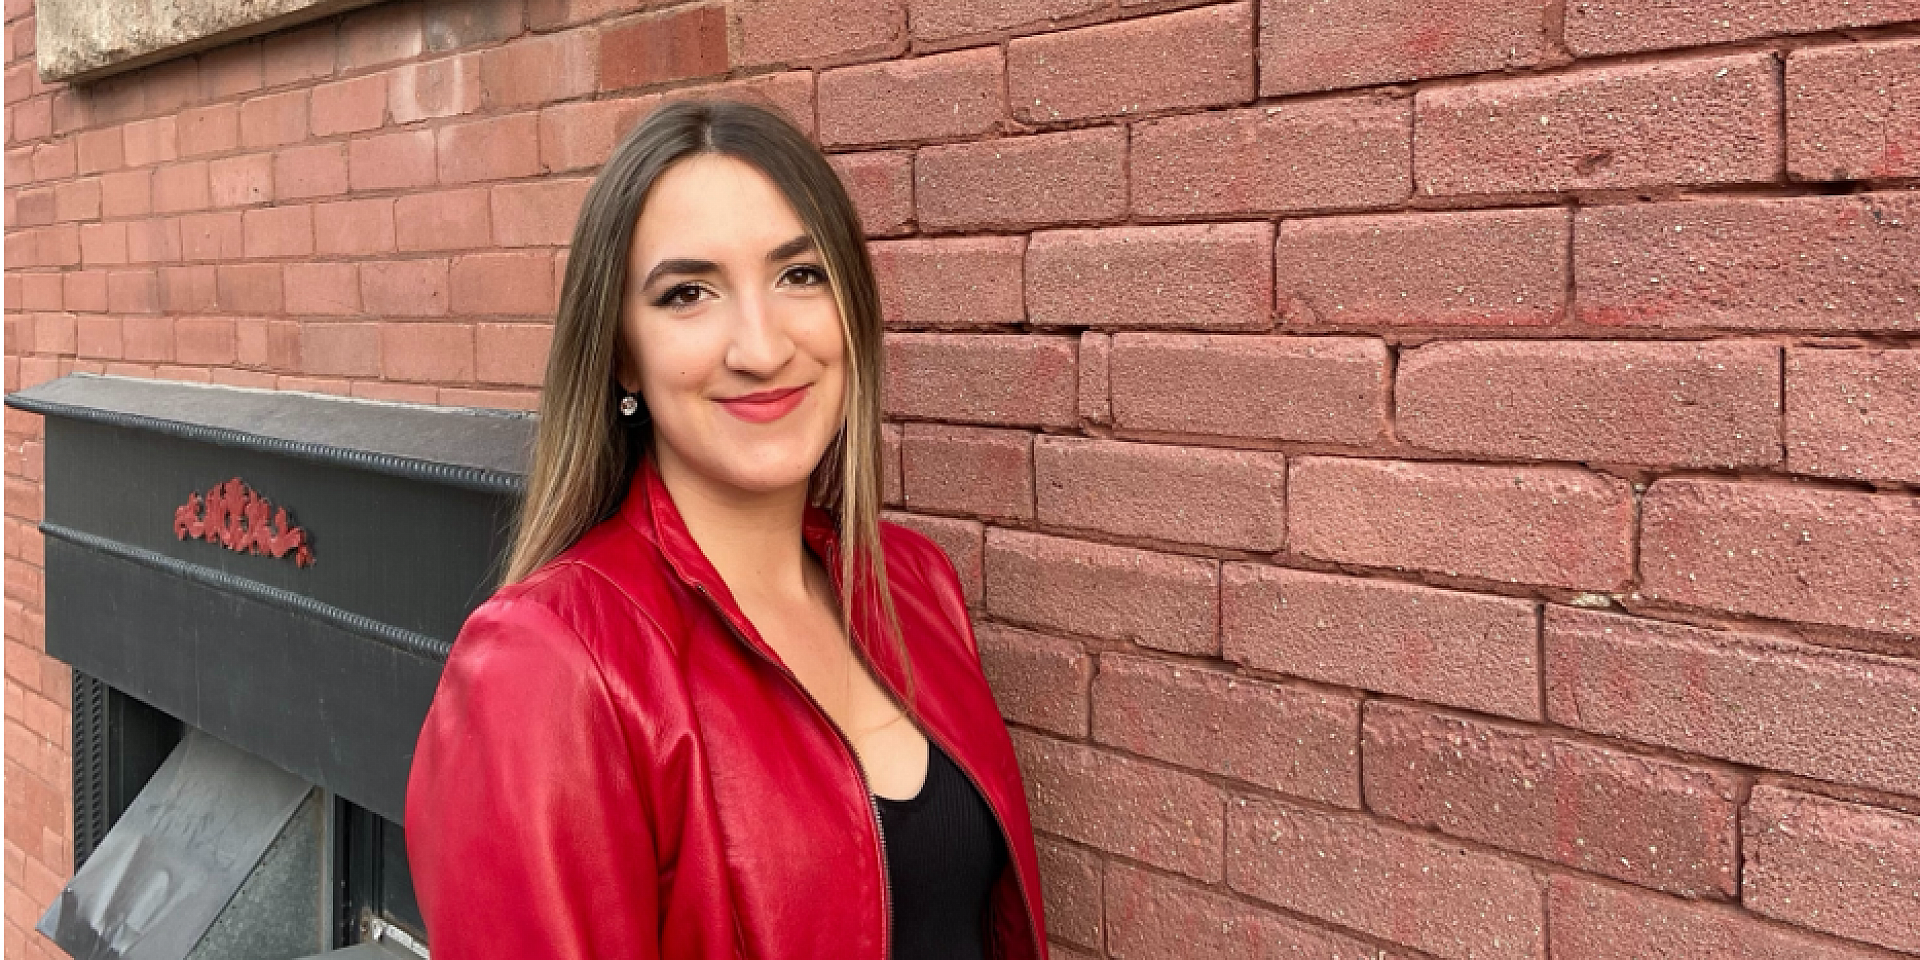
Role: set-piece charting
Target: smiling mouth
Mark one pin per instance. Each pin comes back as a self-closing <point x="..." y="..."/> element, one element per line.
<point x="765" y="406"/>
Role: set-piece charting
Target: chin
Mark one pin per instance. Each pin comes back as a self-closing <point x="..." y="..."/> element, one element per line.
<point x="760" y="465"/>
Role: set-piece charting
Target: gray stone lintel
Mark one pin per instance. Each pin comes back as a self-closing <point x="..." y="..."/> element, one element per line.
<point x="80" y="40"/>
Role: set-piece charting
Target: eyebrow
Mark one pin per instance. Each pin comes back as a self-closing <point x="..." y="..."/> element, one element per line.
<point x="681" y="265"/>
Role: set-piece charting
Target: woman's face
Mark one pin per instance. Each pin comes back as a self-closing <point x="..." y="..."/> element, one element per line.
<point x="730" y="330"/>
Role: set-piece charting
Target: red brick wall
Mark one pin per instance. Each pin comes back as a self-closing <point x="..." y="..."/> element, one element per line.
<point x="1434" y="479"/>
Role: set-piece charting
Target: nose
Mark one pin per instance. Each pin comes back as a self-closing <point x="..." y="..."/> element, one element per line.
<point x="761" y="345"/>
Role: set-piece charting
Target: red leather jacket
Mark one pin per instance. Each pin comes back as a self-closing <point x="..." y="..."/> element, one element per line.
<point x="616" y="766"/>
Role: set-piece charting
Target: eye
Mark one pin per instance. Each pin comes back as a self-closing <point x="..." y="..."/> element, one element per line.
<point x="680" y="296"/>
<point x="805" y="274"/>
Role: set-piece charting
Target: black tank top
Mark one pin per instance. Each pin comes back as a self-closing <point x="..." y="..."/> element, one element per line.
<point x="944" y="852"/>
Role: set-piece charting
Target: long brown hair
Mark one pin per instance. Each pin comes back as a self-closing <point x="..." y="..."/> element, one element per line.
<point x="583" y="458"/>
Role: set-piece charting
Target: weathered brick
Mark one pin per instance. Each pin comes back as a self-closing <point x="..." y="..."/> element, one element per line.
<point x="300" y="54"/>
<point x="319" y="170"/>
<point x="582" y="134"/>
<point x="1346" y="154"/>
<point x="1557" y="526"/>
<point x="1702" y="404"/>
<point x="278" y="231"/>
<point x="394" y="161"/>
<point x="924" y="98"/>
<point x="1818" y="263"/>
<point x="1596" y="27"/>
<point x="1038" y="680"/>
<point x="511" y="353"/>
<point x="1818" y="711"/>
<point x="517" y="283"/>
<point x="1123" y="806"/>
<point x="1002" y="379"/>
<point x="817" y="31"/>
<point x="1651" y="822"/>
<point x="1210" y="277"/>
<point x="322" y="288"/>
<point x="498" y="148"/>
<point x="103" y="244"/>
<point x="447" y="87"/>
<point x="881" y="186"/>
<point x="408" y="288"/>
<point x="1695" y="121"/>
<point x="1290" y="739"/>
<point x="426" y="351"/>
<point x="1073" y="177"/>
<point x="1422" y="891"/>
<point x="1593" y="921"/>
<point x="1305" y="389"/>
<point x="1150" y="917"/>
<point x="1070" y="882"/>
<point x="134" y="291"/>
<point x="254" y="288"/>
<point x="97" y="151"/>
<point x="974" y="470"/>
<point x="1477" y="652"/>
<point x="209" y="236"/>
<point x="380" y="34"/>
<point x="451" y="24"/>
<point x="1096" y="367"/>
<point x="1226" y="498"/>
<point x="1307" y="47"/>
<point x="350" y="106"/>
<point x="1116" y="593"/>
<point x="959" y="282"/>
<point x="1786" y="552"/>
<point x="963" y="541"/>
<point x="274" y="119"/>
<point x="127" y="194"/>
<point x="181" y="186"/>
<point x="1185" y="60"/>
<point x="241" y="180"/>
<point x="1854" y="414"/>
<point x="340" y="349"/>
<point x="145" y="142"/>
<point x="354" y="227"/>
<point x="444" y="220"/>
<point x="203" y="130"/>
<point x="535" y="71"/>
<point x="1495" y="268"/>
<point x="947" y="20"/>
<point x="538" y="213"/>
<point x="1844" y="868"/>
<point x="892" y="484"/>
<point x="684" y="43"/>
<point x="1853" y="112"/>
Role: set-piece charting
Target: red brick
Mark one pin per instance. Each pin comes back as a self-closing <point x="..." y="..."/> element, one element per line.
<point x="147" y="338"/>
<point x="1311" y="47"/>
<point x="209" y="129"/>
<point x="77" y="200"/>
<point x="240" y="181"/>
<point x="274" y="119"/>
<point x="209" y="236"/>
<point x="35" y="208"/>
<point x="278" y="231"/>
<point x="1701" y="404"/>
<point x="498" y="148"/>
<point x="301" y="54"/>
<point x="1123" y="806"/>
<point x="1070" y="881"/>
<point x="1213" y="276"/>
<point x="534" y="71"/>
<point x="253" y="288"/>
<point x="540" y="213"/>
<point x="207" y="340"/>
<point x="393" y="161"/>
<point x="1074" y="177"/>
<point x="1150" y="917"/>
<point x="1854" y="414"/>
<point x="1009" y="380"/>
<point x="322" y="288"/>
<point x="881" y="186"/>
<point x="37" y="291"/>
<point x="788" y="92"/>
<point x="1346" y="154"/>
<point x="1226" y="498"/>
<point x="960" y="282"/>
<point x="817" y="31"/>
<point x="947" y="20"/>
<point x="685" y="43"/>
<point x="1284" y="738"/>
<point x="181" y="186"/>
<point x="98" y="338"/>
<point x="149" y="142"/>
<point x="1592" y="921"/>
<point x="1096" y="362"/>
<point x="1556" y="526"/>
<point x="128" y="194"/>
<point x="1038" y="680"/>
<point x="83" y="291"/>
<point x="133" y="291"/>
<point x="231" y="69"/>
<point x="54" y="333"/>
<point x="892" y="485"/>
<point x="1460" y="649"/>
<point x="340" y="349"/>
<point x="1187" y="60"/>
<point x="575" y="136"/>
<point x="408" y="288"/>
<point x="1817" y="711"/>
<point x="1843" y="868"/>
<point x="1596" y="27"/>
<point x="511" y="353"/>
<point x="1697" y="121"/>
<point x="1307" y="389"/>
<point x="103" y="244"/>
<point x="547" y="14"/>
<point x="316" y="171"/>
<point x="1650" y="822"/>
<point x="1785" y="552"/>
<point x="924" y="98"/>
<point x="1853" y="112"/>
<point x="97" y="151"/>
<point x="961" y="540"/>
<point x="349" y="106"/>
<point x="1497" y="268"/>
<point x="451" y="24"/>
<point x="1423" y="891"/>
<point x="1818" y="263"/>
<point x="508" y="284"/>
<point x="394" y="392"/>
<point x="55" y="161"/>
<point x="190" y="289"/>
<point x="383" y="33"/>
<point x="447" y="87"/>
<point x="973" y="470"/>
<point x="354" y="227"/>
<point x="426" y="351"/>
<point x="1114" y="593"/>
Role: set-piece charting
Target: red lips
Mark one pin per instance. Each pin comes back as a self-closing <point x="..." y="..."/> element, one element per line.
<point x="765" y="406"/>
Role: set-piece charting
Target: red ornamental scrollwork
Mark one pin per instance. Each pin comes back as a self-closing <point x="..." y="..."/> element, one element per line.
<point x="235" y="517"/>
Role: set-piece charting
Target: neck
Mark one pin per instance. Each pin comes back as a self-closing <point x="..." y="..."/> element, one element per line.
<point x="752" y="537"/>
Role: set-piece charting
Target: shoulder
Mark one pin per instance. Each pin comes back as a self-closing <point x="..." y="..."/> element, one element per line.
<point x="915" y="559"/>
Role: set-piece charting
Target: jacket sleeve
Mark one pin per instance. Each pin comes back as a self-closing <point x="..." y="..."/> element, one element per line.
<point x="527" y="828"/>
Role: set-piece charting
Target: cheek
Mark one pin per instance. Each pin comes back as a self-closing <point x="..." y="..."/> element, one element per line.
<point x="672" y="358"/>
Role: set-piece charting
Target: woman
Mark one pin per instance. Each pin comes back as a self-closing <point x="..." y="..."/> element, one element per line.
<point x="719" y="709"/>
